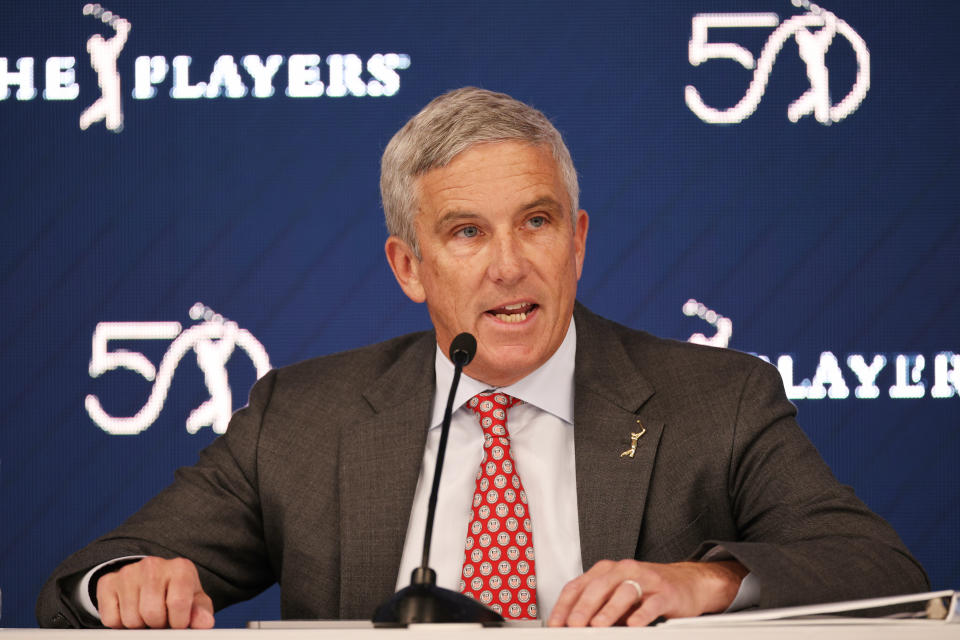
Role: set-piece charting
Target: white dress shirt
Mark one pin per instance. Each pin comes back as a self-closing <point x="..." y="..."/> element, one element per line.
<point x="541" y="441"/>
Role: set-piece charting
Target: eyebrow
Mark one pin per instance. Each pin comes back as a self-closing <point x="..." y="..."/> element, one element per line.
<point x="545" y="201"/>
<point x="456" y="215"/>
<point x="466" y="214"/>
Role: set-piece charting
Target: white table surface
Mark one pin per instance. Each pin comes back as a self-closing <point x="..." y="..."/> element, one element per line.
<point x="795" y="630"/>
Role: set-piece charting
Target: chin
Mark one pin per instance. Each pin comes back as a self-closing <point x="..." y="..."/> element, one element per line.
<point x="503" y="366"/>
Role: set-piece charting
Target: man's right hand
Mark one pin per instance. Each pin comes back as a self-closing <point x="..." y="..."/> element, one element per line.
<point x="155" y="593"/>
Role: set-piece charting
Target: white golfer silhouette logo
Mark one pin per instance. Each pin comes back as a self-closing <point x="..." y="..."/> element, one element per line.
<point x="213" y="341"/>
<point x="103" y="58"/>
<point x="813" y="31"/>
<point x="813" y="51"/>
<point x="212" y="356"/>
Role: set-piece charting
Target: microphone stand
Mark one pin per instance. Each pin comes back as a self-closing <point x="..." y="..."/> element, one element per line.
<point x="423" y="600"/>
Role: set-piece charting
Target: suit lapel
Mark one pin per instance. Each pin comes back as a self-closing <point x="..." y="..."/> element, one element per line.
<point x="609" y="405"/>
<point x="379" y="467"/>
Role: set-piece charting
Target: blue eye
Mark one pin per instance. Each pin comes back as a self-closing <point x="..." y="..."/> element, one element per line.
<point x="469" y="232"/>
<point x="537" y="221"/>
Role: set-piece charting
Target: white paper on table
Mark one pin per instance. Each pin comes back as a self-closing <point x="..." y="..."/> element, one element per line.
<point x="784" y="613"/>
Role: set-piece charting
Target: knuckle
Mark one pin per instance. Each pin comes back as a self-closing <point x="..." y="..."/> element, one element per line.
<point x="656" y="604"/>
<point x="626" y="563"/>
<point x="570" y="591"/>
<point x="147" y="568"/>
<point x="180" y="622"/>
<point x="604" y="565"/>
<point x="572" y="586"/>
<point x="607" y="615"/>
<point x="639" y="619"/>
<point x="179" y="599"/>
<point x="130" y="620"/>
<point x="181" y="583"/>
<point x="182" y="566"/>
<point x="110" y="619"/>
<point x="658" y="581"/>
<point x="154" y="616"/>
<point x="106" y="584"/>
<point x="150" y="611"/>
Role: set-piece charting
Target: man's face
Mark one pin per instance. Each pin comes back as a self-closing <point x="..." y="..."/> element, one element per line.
<point x="500" y="256"/>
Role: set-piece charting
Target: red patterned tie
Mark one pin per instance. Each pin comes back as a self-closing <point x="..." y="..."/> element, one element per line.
<point x="498" y="568"/>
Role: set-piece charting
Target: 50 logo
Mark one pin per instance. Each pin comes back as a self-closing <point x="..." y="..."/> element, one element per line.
<point x="813" y="31"/>
<point x="213" y="341"/>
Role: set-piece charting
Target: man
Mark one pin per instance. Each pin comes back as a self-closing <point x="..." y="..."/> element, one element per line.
<point x="673" y="473"/>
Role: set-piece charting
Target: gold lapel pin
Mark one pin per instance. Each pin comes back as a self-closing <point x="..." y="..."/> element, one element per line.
<point x="634" y="436"/>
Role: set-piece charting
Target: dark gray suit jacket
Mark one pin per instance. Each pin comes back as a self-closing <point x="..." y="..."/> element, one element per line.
<point x="313" y="483"/>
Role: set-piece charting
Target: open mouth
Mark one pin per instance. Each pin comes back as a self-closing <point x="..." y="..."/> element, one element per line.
<point x="517" y="312"/>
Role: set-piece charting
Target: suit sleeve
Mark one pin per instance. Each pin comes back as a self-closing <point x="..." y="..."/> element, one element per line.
<point x="806" y="537"/>
<point x="210" y="514"/>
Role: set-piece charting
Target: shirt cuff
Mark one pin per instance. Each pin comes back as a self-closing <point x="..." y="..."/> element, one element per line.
<point x="748" y="596"/>
<point x="81" y="594"/>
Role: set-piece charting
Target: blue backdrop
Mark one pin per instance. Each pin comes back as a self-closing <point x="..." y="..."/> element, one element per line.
<point x="196" y="183"/>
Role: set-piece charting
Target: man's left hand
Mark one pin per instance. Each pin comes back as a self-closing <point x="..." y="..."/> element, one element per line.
<point x="637" y="593"/>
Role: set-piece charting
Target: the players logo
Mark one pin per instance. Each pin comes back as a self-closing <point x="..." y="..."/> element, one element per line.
<point x="231" y="76"/>
<point x="104" y="53"/>
<point x="813" y="31"/>
<point x="829" y="379"/>
<point x="213" y="340"/>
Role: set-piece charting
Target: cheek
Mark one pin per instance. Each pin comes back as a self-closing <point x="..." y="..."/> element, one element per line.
<point x="457" y="275"/>
<point x="564" y="265"/>
<point x="445" y="287"/>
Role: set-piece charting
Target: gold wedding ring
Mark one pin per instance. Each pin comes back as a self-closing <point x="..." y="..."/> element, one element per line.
<point x="635" y="585"/>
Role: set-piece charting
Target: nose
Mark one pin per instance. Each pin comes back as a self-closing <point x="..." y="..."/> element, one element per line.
<point x="508" y="261"/>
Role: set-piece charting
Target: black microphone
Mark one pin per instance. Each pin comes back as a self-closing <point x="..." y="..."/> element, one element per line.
<point x="423" y="600"/>
<point x="462" y="350"/>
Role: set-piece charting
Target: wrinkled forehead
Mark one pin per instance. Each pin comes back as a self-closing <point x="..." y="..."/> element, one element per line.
<point x="480" y="150"/>
<point x="450" y="155"/>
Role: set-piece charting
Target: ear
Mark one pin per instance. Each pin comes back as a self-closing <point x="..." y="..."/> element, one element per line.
<point x="406" y="268"/>
<point x="580" y="239"/>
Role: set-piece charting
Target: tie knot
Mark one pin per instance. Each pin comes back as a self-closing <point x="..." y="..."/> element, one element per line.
<point x="488" y="401"/>
<point x="491" y="409"/>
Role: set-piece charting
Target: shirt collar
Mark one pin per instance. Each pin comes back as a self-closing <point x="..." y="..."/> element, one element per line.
<point x="549" y="388"/>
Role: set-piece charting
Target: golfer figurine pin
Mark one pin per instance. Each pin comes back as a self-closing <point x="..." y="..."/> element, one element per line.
<point x="634" y="436"/>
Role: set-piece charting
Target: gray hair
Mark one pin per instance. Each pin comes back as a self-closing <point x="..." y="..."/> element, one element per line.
<point x="449" y="125"/>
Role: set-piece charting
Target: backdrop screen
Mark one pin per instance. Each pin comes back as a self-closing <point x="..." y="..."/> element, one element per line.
<point x="190" y="197"/>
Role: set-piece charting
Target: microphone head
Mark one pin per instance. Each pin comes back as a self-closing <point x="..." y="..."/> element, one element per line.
<point x="462" y="349"/>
